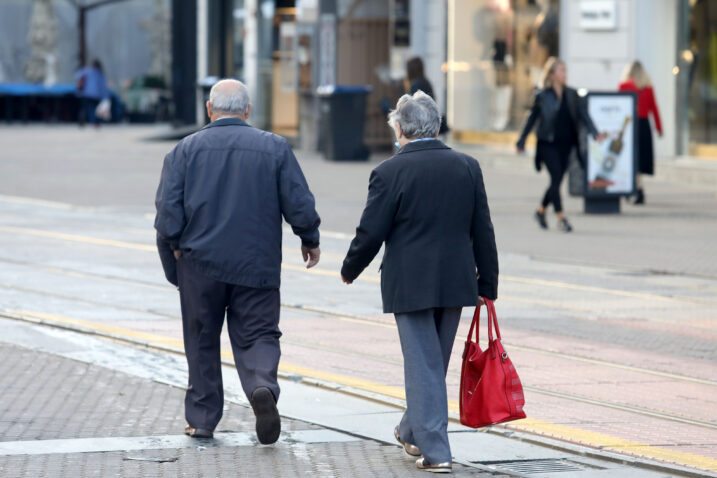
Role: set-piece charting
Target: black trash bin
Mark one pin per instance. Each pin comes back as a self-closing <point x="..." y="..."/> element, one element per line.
<point x="205" y="85"/>
<point x="342" y="115"/>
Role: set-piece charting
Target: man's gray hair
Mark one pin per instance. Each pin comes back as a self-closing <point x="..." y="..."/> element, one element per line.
<point x="229" y="97"/>
<point x="418" y="116"/>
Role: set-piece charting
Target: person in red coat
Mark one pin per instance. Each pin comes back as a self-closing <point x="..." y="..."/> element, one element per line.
<point x="636" y="79"/>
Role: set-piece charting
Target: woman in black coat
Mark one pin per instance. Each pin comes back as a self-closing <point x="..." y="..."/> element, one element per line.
<point x="559" y="113"/>
<point x="427" y="204"/>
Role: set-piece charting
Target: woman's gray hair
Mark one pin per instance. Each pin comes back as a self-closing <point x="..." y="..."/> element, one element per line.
<point x="230" y="97"/>
<point x="418" y="116"/>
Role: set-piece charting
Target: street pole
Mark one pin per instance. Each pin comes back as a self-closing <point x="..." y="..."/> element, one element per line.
<point x="82" y="23"/>
<point x="81" y="27"/>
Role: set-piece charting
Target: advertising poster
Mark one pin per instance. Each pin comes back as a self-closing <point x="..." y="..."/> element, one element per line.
<point x="611" y="162"/>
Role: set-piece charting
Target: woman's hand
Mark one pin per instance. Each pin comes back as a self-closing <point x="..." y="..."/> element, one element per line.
<point x="600" y="137"/>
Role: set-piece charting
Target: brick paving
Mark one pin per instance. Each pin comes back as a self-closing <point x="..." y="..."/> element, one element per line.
<point x="49" y="397"/>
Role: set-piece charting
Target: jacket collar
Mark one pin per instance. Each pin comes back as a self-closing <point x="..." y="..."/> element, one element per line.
<point x="422" y="145"/>
<point x="227" y="122"/>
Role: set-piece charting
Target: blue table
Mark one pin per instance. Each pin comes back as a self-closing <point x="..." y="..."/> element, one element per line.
<point x="25" y="100"/>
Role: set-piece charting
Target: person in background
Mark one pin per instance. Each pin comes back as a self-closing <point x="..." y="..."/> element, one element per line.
<point x="636" y="79"/>
<point x="416" y="80"/>
<point x="559" y="112"/>
<point x="91" y="89"/>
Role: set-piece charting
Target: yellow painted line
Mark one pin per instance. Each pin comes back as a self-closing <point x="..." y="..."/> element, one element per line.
<point x="329" y="273"/>
<point x="100" y="327"/>
<point x="530" y="425"/>
<point x="613" y="444"/>
<point x="368" y="322"/>
<point x="35" y="202"/>
<point x="77" y="238"/>
<point x="586" y="288"/>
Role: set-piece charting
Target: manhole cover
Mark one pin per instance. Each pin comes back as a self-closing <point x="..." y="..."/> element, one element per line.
<point x="541" y="466"/>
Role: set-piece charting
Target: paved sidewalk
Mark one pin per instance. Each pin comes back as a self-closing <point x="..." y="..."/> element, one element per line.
<point x="51" y="403"/>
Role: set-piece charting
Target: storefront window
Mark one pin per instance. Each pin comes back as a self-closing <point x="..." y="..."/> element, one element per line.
<point x="496" y="51"/>
<point x="701" y="60"/>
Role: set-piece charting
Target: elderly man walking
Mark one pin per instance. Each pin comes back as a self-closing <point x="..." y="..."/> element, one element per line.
<point x="428" y="204"/>
<point x="220" y="203"/>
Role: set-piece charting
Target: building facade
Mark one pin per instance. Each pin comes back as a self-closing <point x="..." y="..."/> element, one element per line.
<point x="496" y="49"/>
<point x="483" y="57"/>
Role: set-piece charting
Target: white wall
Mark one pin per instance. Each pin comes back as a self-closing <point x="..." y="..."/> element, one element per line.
<point x="656" y="46"/>
<point x="647" y="31"/>
<point x="428" y="40"/>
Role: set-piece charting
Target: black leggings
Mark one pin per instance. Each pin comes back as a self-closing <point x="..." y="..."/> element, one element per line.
<point x="555" y="158"/>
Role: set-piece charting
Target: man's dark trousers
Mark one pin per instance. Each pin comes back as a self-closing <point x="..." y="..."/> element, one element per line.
<point x="253" y="324"/>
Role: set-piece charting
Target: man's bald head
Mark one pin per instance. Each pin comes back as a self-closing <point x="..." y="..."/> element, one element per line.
<point x="229" y="98"/>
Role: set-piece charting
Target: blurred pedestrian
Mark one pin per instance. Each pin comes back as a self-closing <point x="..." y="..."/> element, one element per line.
<point x="559" y="112"/>
<point x="636" y="79"/>
<point x="91" y="90"/>
<point x="428" y="205"/>
<point x="416" y="80"/>
<point x="220" y="203"/>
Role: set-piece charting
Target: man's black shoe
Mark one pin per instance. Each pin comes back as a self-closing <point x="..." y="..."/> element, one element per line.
<point x="268" y="422"/>
<point x="198" y="432"/>
<point x="639" y="197"/>
<point x="541" y="220"/>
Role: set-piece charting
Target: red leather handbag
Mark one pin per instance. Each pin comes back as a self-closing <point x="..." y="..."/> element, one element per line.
<point x="491" y="391"/>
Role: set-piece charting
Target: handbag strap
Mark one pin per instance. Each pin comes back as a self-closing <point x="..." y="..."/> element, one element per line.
<point x="475" y="324"/>
<point x="492" y="317"/>
<point x="492" y="321"/>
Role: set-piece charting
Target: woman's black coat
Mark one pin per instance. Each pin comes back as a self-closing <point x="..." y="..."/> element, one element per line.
<point x="544" y="112"/>
<point x="428" y="204"/>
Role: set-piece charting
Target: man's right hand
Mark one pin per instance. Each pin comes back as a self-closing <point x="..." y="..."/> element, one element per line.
<point x="310" y="255"/>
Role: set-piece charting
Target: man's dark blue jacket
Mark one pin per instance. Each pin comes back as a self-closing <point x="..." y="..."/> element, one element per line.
<point x="221" y="199"/>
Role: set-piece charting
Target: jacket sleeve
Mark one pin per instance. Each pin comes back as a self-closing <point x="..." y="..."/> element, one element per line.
<point x="653" y="108"/>
<point x="170" y="220"/>
<point x="530" y="122"/>
<point x="373" y="229"/>
<point x="296" y="200"/>
<point x="585" y="117"/>
<point x="169" y="262"/>
<point x="484" y="247"/>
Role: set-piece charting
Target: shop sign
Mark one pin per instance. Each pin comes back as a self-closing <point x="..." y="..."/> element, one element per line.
<point x="611" y="162"/>
<point x="598" y="15"/>
<point x="307" y="11"/>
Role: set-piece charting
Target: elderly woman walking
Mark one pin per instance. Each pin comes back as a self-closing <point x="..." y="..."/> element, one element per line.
<point x="428" y="205"/>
